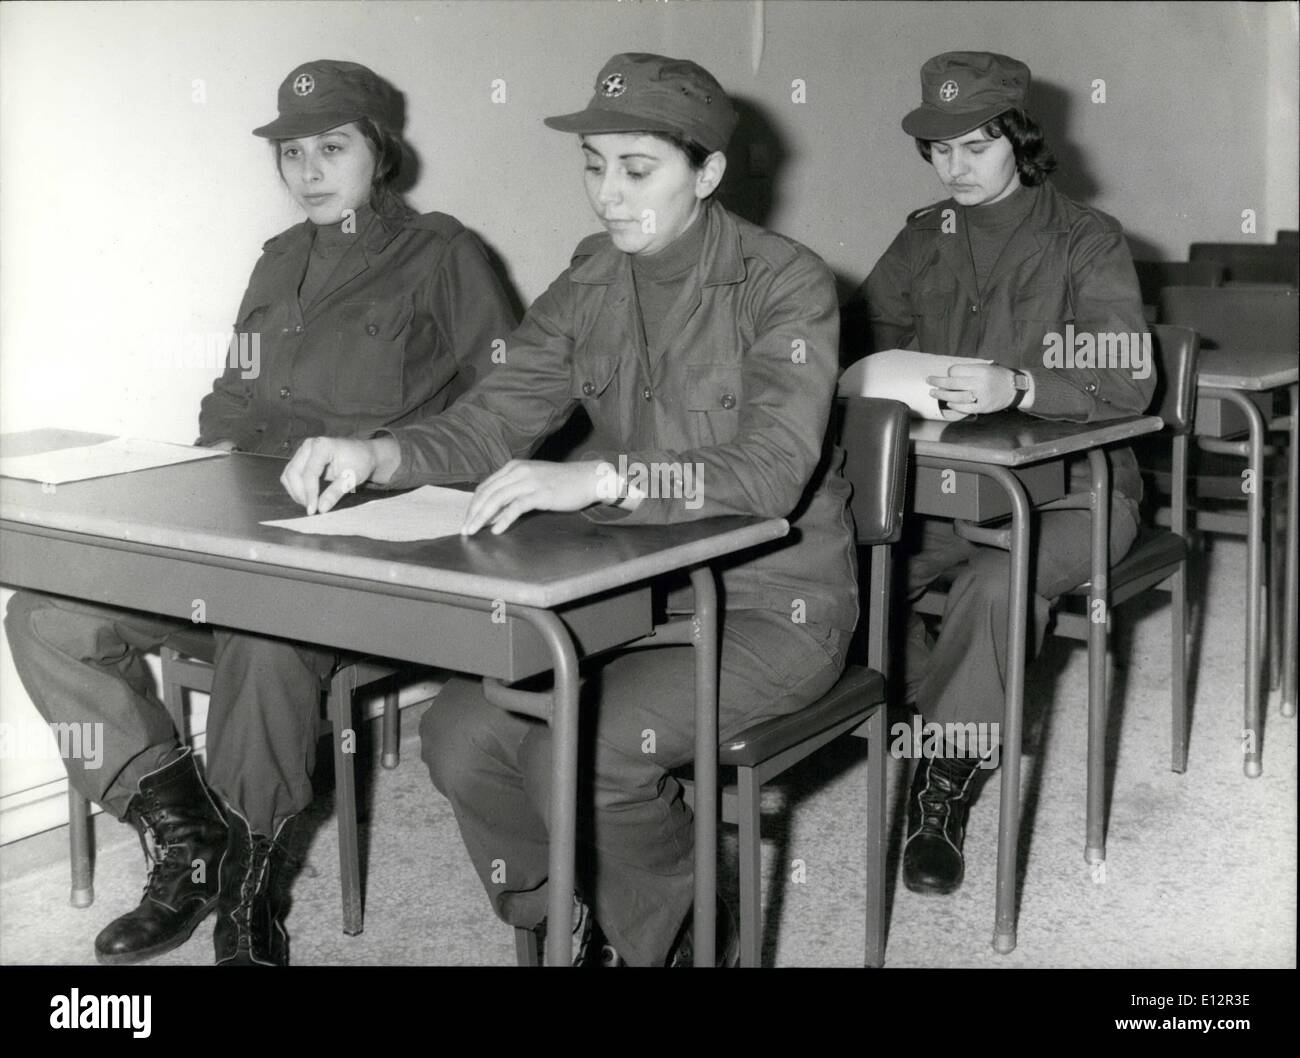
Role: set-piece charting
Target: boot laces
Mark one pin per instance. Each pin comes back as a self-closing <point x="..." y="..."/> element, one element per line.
<point x="254" y="882"/>
<point x="938" y="797"/>
<point x="159" y="856"/>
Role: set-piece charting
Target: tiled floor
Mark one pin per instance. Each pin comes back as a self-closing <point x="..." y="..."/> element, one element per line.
<point x="1201" y="867"/>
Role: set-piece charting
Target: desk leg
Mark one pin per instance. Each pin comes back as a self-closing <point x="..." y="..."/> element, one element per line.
<point x="704" y="634"/>
<point x="1098" y="620"/>
<point x="1004" y="933"/>
<point x="342" y="687"/>
<point x="1292" y="545"/>
<point x="564" y="783"/>
<point x="1250" y="734"/>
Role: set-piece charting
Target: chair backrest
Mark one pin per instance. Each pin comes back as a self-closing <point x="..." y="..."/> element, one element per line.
<point x="1154" y="276"/>
<point x="1249" y="262"/>
<point x="1176" y="350"/>
<point x="1236" y="318"/>
<point x="874" y="435"/>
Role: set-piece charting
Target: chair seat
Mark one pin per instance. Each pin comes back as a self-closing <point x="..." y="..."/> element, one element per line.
<point x="857" y="691"/>
<point x="1153" y="551"/>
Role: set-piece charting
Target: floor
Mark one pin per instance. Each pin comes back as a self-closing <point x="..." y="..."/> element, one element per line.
<point x="1201" y="867"/>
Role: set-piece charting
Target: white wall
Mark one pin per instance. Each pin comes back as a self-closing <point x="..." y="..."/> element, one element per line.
<point x="133" y="199"/>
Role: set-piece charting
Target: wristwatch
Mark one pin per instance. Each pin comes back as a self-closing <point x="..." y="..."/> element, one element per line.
<point x="1019" y="379"/>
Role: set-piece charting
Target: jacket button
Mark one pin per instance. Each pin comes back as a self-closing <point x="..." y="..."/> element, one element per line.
<point x="298" y="329"/>
<point x="284" y="392"/>
<point x="647" y="393"/>
<point x="588" y="388"/>
<point x="728" y="401"/>
<point x="284" y="444"/>
<point x="974" y="308"/>
<point x="1091" y="387"/>
<point x="372" y="329"/>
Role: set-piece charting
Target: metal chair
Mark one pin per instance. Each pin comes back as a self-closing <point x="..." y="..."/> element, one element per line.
<point x="1157" y="560"/>
<point x="187" y="666"/>
<point x="874" y="435"/>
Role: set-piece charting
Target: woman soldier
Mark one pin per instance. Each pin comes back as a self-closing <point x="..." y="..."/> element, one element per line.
<point x="693" y="339"/>
<point x="998" y="271"/>
<point x="366" y="315"/>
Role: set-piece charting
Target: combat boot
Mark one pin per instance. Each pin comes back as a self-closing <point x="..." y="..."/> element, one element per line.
<point x="183" y="835"/>
<point x="254" y="897"/>
<point x="937" y="807"/>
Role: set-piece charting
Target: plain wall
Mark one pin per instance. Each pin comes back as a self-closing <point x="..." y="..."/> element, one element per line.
<point x="133" y="199"/>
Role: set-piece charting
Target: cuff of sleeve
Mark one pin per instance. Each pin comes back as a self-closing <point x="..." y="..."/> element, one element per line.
<point x="401" y="478"/>
<point x="1055" y="398"/>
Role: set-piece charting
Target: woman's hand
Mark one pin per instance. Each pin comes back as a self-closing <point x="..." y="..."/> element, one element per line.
<point x="974" y="389"/>
<point x="533" y="485"/>
<point x="344" y="463"/>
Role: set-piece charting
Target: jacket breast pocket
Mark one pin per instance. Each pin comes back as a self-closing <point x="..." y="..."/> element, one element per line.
<point x="933" y="304"/>
<point x="713" y="387"/>
<point x="371" y="355"/>
<point x="714" y="395"/>
<point x="592" y="375"/>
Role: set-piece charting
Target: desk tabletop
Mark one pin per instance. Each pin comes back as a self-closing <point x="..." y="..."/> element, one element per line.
<point x="1246" y="369"/>
<point x="212" y="508"/>
<point x="1012" y="438"/>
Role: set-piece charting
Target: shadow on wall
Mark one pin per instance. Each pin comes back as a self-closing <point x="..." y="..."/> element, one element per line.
<point x="1051" y="107"/>
<point x="754" y="161"/>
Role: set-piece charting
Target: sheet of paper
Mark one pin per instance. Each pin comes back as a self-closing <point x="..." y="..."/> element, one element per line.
<point x="122" y="455"/>
<point x="900" y="374"/>
<point x="425" y="514"/>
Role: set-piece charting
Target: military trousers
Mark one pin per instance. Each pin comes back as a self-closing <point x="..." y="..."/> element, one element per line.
<point x="84" y="663"/>
<point x="635" y="836"/>
<point x="961" y="678"/>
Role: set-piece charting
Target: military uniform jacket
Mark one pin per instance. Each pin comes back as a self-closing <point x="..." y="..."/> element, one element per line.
<point x="1066" y="264"/>
<point x="405" y="322"/>
<point x="741" y="389"/>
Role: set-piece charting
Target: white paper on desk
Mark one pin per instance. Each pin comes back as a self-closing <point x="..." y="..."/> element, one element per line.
<point x="900" y="374"/>
<point x="122" y="455"/>
<point x="425" y="514"/>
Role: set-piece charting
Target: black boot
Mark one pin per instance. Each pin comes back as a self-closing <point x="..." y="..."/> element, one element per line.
<point x="937" y="807"/>
<point x="254" y="898"/>
<point x="183" y="835"/>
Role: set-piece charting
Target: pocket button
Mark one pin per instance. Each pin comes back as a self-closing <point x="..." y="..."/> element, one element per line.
<point x="372" y="329"/>
<point x="728" y="401"/>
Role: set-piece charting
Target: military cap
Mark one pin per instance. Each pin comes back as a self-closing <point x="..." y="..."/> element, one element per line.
<point x="961" y="90"/>
<point x="324" y="94"/>
<point x="637" y="92"/>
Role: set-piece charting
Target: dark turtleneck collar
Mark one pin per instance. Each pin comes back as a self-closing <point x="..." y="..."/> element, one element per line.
<point x="330" y="240"/>
<point x="678" y="257"/>
<point x="1011" y="210"/>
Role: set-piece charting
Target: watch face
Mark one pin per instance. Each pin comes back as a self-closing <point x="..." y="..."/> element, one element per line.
<point x="1020" y="380"/>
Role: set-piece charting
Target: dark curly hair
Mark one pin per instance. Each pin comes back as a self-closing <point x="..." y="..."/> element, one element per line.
<point x="1034" y="158"/>
<point x="389" y="153"/>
